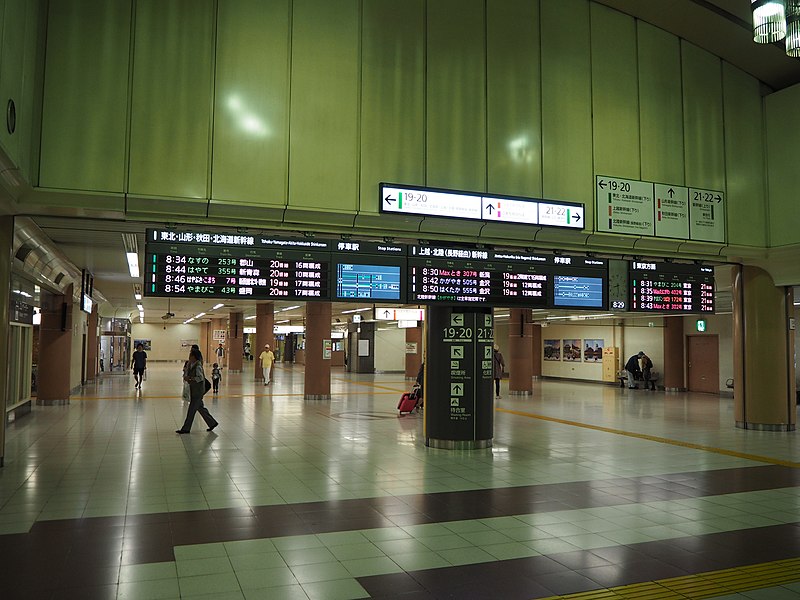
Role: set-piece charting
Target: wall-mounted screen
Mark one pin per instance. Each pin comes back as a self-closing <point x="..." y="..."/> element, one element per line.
<point x="572" y="291"/>
<point x="671" y="287"/>
<point x="368" y="282"/>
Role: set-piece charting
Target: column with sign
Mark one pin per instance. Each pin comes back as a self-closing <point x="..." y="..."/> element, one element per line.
<point x="458" y="387"/>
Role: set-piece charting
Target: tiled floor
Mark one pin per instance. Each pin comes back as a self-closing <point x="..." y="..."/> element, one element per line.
<point x="587" y="487"/>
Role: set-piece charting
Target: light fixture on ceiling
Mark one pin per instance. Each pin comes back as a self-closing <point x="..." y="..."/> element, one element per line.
<point x="355" y="310"/>
<point x="137" y="291"/>
<point x="131" y="253"/>
<point x="250" y="318"/>
<point x="216" y="306"/>
<point x="200" y="315"/>
<point x="775" y="20"/>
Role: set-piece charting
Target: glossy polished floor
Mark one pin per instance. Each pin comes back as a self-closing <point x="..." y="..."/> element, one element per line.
<point x="590" y="491"/>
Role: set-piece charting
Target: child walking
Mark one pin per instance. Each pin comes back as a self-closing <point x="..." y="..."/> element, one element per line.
<point x="216" y="377"/>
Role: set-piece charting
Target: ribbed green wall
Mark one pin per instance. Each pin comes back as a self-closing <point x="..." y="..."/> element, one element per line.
<point x="294" y="110"/>
<point x="783" y="140"/>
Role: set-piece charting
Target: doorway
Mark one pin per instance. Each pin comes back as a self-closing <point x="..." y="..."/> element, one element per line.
<point x="703" y="363"/>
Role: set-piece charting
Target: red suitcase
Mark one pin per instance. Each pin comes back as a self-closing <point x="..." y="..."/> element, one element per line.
<point x="408" y="402"/>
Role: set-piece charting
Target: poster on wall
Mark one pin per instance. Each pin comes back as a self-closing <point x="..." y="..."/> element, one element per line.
<point x="572" y="350"/>
<point x="145" y="343"/>
<point x="218" y="335"/>
<point x="593" y="351"/>
<point x="552" y="349"/>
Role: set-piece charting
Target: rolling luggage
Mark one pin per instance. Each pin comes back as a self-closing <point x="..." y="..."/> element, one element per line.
<point x="408" y="402"/>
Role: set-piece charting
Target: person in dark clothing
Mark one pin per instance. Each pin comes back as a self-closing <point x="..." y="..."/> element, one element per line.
<point x="632" y="367"/>
<point x="498" y="367"/>
<point x="647" y="367"/>
<point x="197" y="388"/>
<point x="420" y="383"/>
<point x="139" y="364"/>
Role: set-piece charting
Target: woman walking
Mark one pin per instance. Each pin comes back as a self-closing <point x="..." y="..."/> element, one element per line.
<point x="197" y="388"/>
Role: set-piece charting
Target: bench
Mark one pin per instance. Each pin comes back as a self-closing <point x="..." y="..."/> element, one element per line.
<point x="623" y="379"/>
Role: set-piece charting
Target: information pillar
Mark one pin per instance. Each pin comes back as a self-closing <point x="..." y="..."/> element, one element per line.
<point x="459" y="406"/>
<point x="265" y="324"/>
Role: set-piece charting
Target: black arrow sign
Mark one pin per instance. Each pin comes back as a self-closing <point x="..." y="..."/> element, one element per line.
<point x="671" y="192"/>
<point x="457" y="389"/>
<point x="490" y="208"/>
<point x="576" y="218"/>
<point x="389" y="200"/>
<point x="718" y="198"/>
<point x="386" y="313"/>
<point x="602" y="184"/>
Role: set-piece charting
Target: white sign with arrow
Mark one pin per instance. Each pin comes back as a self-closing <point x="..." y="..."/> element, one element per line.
<point x="625" y="206"/>
<point x="706" y="215"/>
<point x="442" y="203"/>
<point x="399" y="314"/>
<point x="672" y="211"/>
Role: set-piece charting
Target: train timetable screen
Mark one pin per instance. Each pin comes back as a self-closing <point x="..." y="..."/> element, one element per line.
<point x="671" y="287"/>
<point x="236" y="269"/>
<point x="475" y="276"/>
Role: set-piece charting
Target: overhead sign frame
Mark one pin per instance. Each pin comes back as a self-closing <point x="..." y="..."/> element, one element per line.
<point x="475" y="206"/>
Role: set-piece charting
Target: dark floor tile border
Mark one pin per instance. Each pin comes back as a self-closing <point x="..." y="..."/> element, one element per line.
<point x="63" y="540"/>
<point x="561" y="573"/>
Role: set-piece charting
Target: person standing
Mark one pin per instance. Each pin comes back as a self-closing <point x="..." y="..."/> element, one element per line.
<point x="633" y="370"/>
<point x="216" y="377"/>
<point x="220" y="352"/>
<point x="267" y="359"/>
<point x="196" y="379"/>
<point x="498" y="367"/>
<point x="647" y="367"/>
<point x="139" y="364"/>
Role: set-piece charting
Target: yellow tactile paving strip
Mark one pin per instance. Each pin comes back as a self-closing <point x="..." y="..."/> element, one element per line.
<point x="653" y="438"/>
<point x="702" y="585"/>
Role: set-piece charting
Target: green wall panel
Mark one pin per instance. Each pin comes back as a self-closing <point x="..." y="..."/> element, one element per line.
<point x="660" y="105"/>
<point x="456" y="89"/>
<point x="615" y="94"/>
<point x="783" y="139"/>
<point x="567" y="104"/>
<point x="171" y="100"/>
<point x="392" y="96"/>
<point x="85" y="95"/>
<point x="513" y="112"/>
<point x="323" y="167"/>
<point x="744" y="158"/>
<point x="250" y="163"/>
<point x="702" y="118"/>
<point x="29" y="114"/>
<point x="11" y="70"/>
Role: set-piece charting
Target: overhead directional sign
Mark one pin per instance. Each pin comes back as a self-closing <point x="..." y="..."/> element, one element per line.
<point x="672" y="211"/>
<point x="399" y="314"/>
<point x="706" y="215"/>
<point x="427" y="202"/>
<point x="625" y="206"/>
<point x="660" y="210"/>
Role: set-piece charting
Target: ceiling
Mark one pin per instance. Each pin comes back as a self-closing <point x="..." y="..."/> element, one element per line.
<point x="723" y="27"/>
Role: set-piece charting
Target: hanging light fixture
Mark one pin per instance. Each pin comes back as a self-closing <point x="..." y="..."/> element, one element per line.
<point x="769" y="21"/>
<point x="793" y="28"/>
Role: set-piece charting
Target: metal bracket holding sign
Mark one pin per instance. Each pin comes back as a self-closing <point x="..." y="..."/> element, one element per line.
<point x="452" y="204"/>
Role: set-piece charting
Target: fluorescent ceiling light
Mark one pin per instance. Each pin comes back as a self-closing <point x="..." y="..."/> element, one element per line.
<point x="355" y="310"/>
<point x="216" y="306"/>
<point x="140" y="307"/>
<point x="187" y="321"/>
<point x="284" y="321"/>
<point x="200" y="315"/>
<point x="289" y="308"/>
<point x="133" y="263"/>
<point x="137" y="296"/>
<point x="249" y="318"/>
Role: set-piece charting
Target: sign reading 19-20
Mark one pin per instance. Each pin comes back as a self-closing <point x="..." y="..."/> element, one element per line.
<point x="660" y="210"/>
<point x="430" y="202"/>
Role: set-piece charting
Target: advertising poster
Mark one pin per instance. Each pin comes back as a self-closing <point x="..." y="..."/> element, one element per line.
<point x="145" y="343"/>
<point x="593" y="351"/>
<point x="552" y="349"/>
<point x="572" y="350"/>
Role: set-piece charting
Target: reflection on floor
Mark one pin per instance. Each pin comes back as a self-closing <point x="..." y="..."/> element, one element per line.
<point x="587" y="488"/>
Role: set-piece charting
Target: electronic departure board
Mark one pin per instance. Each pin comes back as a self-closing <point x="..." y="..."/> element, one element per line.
<point x="456" y="275"/>
<point x="671" y="287"/>
<point x="235" y="266"/>
<point x="370" y="271"/>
